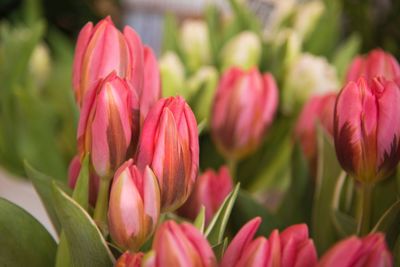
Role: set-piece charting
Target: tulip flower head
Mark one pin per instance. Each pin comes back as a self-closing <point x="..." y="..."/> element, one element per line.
<point x="367" y="129"/>
<point x="319" y="109"/>
<point x="353" y="251"/>
<point x="169" y="145"/>
<point x="103" y="49"/>
<point x="210" y="190"/>
<point x="130" y="259"/>
<point x="244" y="107"/>
<point x="109" y="124"/>
<point x="375" y="63"/>
<point x="180" y="246"/>
<point x="134" y="206"/>
<point x="292" y="247"/>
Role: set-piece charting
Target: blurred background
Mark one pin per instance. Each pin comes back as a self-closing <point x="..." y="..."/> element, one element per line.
<point x="38" y="115"/>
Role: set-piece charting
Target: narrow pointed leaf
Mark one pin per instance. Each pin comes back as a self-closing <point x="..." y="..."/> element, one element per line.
<point x="345" y="224"/>
<point x="86" y="245"/>
<point x="200" y="220"/>
<point x="23" y="240"/>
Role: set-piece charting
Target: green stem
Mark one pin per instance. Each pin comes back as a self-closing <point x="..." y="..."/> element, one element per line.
<point x="232" y="165"/>
<point x="365" y="218"/>
<point x="101" y="209"/>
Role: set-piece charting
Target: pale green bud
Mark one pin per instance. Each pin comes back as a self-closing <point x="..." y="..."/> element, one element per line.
<point x="307" y="16"/>
<point x="40" y="64"/>
<point x="172" y="74"/>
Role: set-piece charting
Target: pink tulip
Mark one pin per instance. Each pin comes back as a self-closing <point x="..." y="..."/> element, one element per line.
<point x="210" y="190"/>
<point x="290" y="248"/>
<point x="180" y="246"/>
<point x="367" y="129"/>
<point x="369" y="251"/>
<point x="243" y="108"/>
<point x="151" y="90"/>
<point x="73" y="173"/>
<point x="169" y="145"/>
<point x="375" y="63"/>
<point x="109" y="124"/>
<point x="319" y="109"/>
<point x="103" y="49"/>
<point x="130" y="259"/>
<point x="134" y="206"/>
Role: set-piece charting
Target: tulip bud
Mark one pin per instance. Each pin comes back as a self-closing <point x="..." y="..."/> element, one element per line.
<point x="243" y="50"/>
<point x="134" y="206"/>
<point x="109" y="124"/>
<point x="103" y="49"/>
<point x="367" y="129"/>
<point x="309" y="75"/>
<point x="243" y="108"/>
<point x="375" y="63"/>
<point x="195" y="43"/>
<point x="169" y="145"/>
<point x="210" y="190"/>
<point x="353" y="251"/>
<point x="151" y="90"/>
<point x="172" y="74"/>
<point x="201" y="88"/>
<point x="292" y="247"/>
<point x="73" y="174"/>
<point x="319" y="109"/>
<point x="129" y="260"/>
<point x="180" y="245"/>
<point x="40" y="64"/>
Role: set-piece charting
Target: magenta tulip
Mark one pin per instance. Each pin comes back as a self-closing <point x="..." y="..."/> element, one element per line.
<point x="134" y="206"/>
<point x="180" y="246"/>
<point x="290" y="248"/>
<point x="103" y="49"/>
<point x="130" y="260"/>
<point x="369" y="251"/>
<point x="169" y="145"/>
<point x="210" y="190"/>
<point x="319" y="109"/>
<point x="367" y="129"/>
<point x="73" y="173"/>
<point x="376" y="63"/>
<point x="151" y="90"/>
<point x="109" y="124"/>
<point x="243" y="108"/>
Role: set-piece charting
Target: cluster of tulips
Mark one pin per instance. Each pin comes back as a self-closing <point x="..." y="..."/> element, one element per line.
<point x="144" y="153"/>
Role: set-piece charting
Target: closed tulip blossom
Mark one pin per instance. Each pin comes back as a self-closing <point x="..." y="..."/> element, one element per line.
<point x="376" y="63"/>
<point x="369" y="251"/>
<point x="210" y="190"/>
<point x="291" y="247"/>
<point x="130" y="260"/>
<point x="169" y="145"/>
<point x="134" y="206"/>
<point x="367" y="129"/>
<point x="318" y="110"/>
<point x="180" y="246"/>
<point x="103" y="49"/>
<point x="244" y="107"/>
<point x="109" y="124"/>
<point x="151" y="90"/>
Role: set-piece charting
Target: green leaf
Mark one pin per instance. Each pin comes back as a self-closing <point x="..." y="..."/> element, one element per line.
<point x="297" y="203"/>
<point x="396" y="252"/>
<point x="328" y="171"/>
<point x="23" y="240"/>
<point x="43" y="186"/>
<point x="219" y="249"/>
<point x="85" y="242"/>
<point x="388" y="218"/>
<point x="246" y="208"/>
<point x="81" y="192"/>
<point x="200" y="220"/>
<point x="81" y="196"/>
<point x="345" y="53"/>
<point x="171" y="36"/>
<point x="345" y="224"/>
<point x="216" y="229"/>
